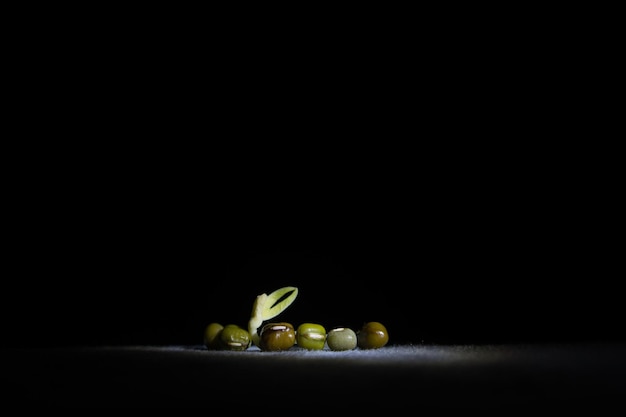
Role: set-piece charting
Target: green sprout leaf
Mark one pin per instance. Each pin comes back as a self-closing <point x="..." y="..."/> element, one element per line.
<point x="278" y="301"/>
<point x="266" y="307"/>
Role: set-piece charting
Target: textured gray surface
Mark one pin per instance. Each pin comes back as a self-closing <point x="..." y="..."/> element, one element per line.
<point x="563" y="377"/>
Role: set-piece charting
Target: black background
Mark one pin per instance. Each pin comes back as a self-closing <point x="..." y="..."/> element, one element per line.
<point x="457" y="188"/>
<point x="155" y="184"/>
<point x="107" y="250"/>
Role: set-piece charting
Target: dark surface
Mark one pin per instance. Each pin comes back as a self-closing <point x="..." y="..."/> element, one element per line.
<point x="533" y="378"/>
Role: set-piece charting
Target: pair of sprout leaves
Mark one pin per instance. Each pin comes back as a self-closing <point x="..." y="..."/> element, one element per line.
<point x="266" y="307"/>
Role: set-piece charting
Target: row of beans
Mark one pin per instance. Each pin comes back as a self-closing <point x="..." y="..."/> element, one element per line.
<point x="280" y="336"/>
